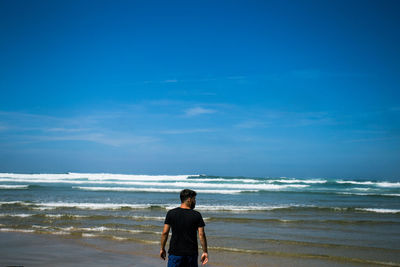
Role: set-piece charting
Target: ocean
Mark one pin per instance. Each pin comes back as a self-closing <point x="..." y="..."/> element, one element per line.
<point x="346" y="221"/>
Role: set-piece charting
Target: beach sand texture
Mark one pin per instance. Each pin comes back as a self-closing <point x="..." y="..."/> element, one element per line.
<point x="29" y="249"/>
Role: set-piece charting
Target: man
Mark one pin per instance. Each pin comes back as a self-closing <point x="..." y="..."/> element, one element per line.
<point x="185" y="223"/>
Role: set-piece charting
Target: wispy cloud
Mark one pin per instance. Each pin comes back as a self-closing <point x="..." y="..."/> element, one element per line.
<point x="300" y="119"/>
<point x="32" y="128"/>
<point x="17" y="116"/>
<point x="170" y="81"/>
<point x="161" y="81"/>
<point x="198" y="111"/>
<point x="188" y="131"/>
<point x="3" y="127"/>
<point x="372" y="140"/>
<point x="249" y="124"/>
<point x="272" y="118"/>
<point x="312" y="118"/>
<point x="236" y="77"/>
<point x="101" y="138"/>
<point x="67" y="130"/>
<point x="310" y="74"/>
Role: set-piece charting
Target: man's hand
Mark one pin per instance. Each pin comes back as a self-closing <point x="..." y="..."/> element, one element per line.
<point x="164" y="238"/>
<point x="204" y="258"/>
<point x="163" y="254"/>
<point x="203" y="241"/>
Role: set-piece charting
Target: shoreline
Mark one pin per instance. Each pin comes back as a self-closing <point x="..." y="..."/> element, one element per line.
<point x="32" y="249"/>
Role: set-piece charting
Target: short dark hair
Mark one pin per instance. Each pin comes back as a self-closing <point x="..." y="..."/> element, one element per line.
<point x="187" y="193"/>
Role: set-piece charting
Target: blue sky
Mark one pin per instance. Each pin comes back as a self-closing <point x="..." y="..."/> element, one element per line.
<point x="253" y="88"/>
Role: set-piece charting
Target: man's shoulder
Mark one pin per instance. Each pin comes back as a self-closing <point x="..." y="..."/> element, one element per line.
<point x="185" y="211"/>
<point x="196" y="212"/>
<point x="174" y="210"/>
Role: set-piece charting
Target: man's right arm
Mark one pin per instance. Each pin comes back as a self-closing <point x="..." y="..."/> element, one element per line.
<point x="164" y="238"/>
<point x="203" y="242"/>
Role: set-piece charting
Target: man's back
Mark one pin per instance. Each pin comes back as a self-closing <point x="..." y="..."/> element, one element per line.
<point x="185" y="223"/>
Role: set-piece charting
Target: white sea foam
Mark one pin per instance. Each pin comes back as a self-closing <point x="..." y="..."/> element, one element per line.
<point x="16" y="230"/>
<point x="225" y="180"/>
<point x="355" y="182"/>
<point x="355" y="194"/>
<point x="379" y="184"/>
<point x="59" y="233"/>
<point x="40" y="226"/>
<point x="89" y="235"/>
<point x="212" y="186"/>
<point x="23" y="215"/>
<point x="11" y="202"/>
<point x="104" y="229"/>
<point x="160" y="190"/>
<point x="119" y="238"/>
<point x="95" y="176"/>
<point x="361" y="189"/>
<point x="153" y="218"/>
<point x="292" y="181"/>
<point x="186" y="184"/>
<point x="388" y="184"/>
<point x="67" y="228"/>
<point x="58" y="215"/>
<point x="196" y="181"/>
<point x="360" y="194"/>
<point x="94" y="229"/>
<point x="4" y="186"/>
<point x="238" y="208"/>
<point x="379" y="210"/>
<point x="367" y="194"/>
<point x="166" y="182"/>
<point x="92" y="206"/>
<point x="105" y="206"/>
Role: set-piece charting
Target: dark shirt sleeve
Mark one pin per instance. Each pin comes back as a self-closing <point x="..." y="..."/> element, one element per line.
<point x="201" y="222"/>
<point x="168" y="218"/>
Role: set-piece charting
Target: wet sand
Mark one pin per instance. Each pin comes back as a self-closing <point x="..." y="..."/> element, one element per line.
<point x="29" y="249"/>
<point x="26" y="249"/>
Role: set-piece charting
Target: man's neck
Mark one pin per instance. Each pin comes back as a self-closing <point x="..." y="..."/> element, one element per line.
<point x="185" y="206"/>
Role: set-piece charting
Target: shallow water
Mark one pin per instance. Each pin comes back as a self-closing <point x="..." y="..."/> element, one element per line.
<point x="335" y="220"/>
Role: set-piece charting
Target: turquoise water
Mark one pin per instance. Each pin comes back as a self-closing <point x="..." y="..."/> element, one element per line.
<point x="350" y="220"/>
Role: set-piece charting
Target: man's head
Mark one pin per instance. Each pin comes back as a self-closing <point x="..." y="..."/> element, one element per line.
<point x="189" y="197"/>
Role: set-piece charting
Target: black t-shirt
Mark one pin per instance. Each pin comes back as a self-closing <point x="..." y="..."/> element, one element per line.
<point x="184" y="224"/>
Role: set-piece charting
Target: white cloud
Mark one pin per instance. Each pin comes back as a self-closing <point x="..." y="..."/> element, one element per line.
<point x="170" y="81"/>
<point x="251" y="124"/>
<point x="67" y="130"/>
<point x="32" y="128"/>
<point x="3" y="128"/>
<point x="198" y="111"/>
<point x="188" y="131"/>
<point x="101" y="138"/>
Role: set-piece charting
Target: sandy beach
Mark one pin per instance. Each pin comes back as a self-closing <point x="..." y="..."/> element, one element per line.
<point x="26" y="249"/>
<point x="30" y="249"/>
